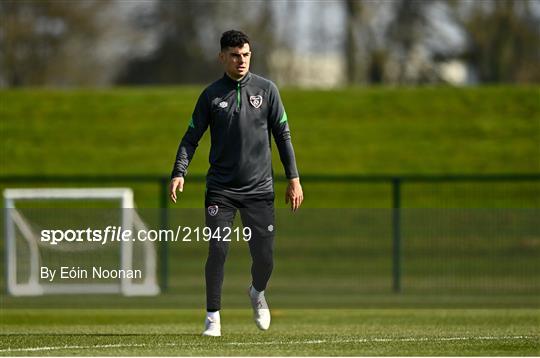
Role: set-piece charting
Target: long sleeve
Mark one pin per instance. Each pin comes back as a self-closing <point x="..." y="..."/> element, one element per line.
<point x="196" y="128"/>
<point x="280" y="130"/>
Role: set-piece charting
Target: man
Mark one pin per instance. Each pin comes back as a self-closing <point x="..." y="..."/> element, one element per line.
<point x="242" y="110"/>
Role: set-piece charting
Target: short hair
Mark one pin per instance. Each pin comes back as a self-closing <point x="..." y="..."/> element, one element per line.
<point x="233" y="38"/>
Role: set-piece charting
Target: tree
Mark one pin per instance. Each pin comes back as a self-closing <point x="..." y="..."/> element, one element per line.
<point x="189" y="40"/>
<point x="42" y="42"/>
<point x="504" y="41"/>
<point x="353" y="9"/>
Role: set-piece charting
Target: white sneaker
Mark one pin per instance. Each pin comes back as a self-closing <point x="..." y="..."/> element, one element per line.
<point x="212" y="328"/>
<point x="261" y="312"/>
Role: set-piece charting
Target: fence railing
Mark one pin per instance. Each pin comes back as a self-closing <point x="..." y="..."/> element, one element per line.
<point x="396" y="183"/>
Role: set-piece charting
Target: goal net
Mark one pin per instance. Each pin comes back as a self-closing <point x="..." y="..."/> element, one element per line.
<point x="80" y="266"/>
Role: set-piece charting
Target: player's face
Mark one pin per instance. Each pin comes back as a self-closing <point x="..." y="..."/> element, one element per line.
<point x="235" y="60"/>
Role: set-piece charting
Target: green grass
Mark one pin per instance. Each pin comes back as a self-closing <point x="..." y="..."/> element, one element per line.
<point x="374" y="332"/>
<point x="381" y="130"/>
<point x="470" y="276"/>
<point x="431" y="130"/>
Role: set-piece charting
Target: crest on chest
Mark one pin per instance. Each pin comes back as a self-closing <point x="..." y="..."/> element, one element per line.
<point x="256" y="101"/>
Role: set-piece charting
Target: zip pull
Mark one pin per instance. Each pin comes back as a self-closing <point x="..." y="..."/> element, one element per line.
<point x="238" y="97"/>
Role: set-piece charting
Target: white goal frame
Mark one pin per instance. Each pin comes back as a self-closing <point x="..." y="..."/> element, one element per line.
<point x="129" y="220"/>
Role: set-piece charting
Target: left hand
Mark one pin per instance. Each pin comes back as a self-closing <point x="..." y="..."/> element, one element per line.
<point x="294" y="194"/>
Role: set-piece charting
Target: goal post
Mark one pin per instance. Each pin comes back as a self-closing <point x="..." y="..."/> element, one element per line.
<point x="23" y="248"/>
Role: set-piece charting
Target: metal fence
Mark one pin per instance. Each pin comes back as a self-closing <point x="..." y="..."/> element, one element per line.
<point x="396" y="185"/>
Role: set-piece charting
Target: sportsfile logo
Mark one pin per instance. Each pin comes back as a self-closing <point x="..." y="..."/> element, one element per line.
<point x="118" y="234"/>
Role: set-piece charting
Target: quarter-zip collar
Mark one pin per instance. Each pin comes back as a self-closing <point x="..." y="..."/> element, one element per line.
<point x="243" y="82"/>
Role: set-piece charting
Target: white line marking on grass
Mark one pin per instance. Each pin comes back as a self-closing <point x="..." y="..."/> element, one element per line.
<point x="54" y="348"/>
<point x="318" y="341"/>
<point x="369" y="340"/>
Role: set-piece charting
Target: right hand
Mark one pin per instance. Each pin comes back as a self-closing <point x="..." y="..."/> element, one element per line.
<point x="176" y="184"/>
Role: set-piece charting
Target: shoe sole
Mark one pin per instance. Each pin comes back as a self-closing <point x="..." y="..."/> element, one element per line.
<point x="211" y="335"/>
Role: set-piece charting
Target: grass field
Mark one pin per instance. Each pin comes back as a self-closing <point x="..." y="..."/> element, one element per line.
<point x="471" y="273"/>
<point x="430" y="130"/>
<point x="432" y="332"/>
<point x="469" y="292"/>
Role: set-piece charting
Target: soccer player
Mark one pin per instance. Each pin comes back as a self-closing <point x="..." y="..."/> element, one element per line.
<point x="242" y="110"/>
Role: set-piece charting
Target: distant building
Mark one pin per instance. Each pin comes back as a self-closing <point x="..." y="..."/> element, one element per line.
<point x="307" y="70"/>
<point x="456" y="72"/>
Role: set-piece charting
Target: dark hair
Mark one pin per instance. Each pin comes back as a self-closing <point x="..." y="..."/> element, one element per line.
<point x="233" y="38"/>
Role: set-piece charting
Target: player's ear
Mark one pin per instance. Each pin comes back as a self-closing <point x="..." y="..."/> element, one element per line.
<point x="221" y="57"/>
